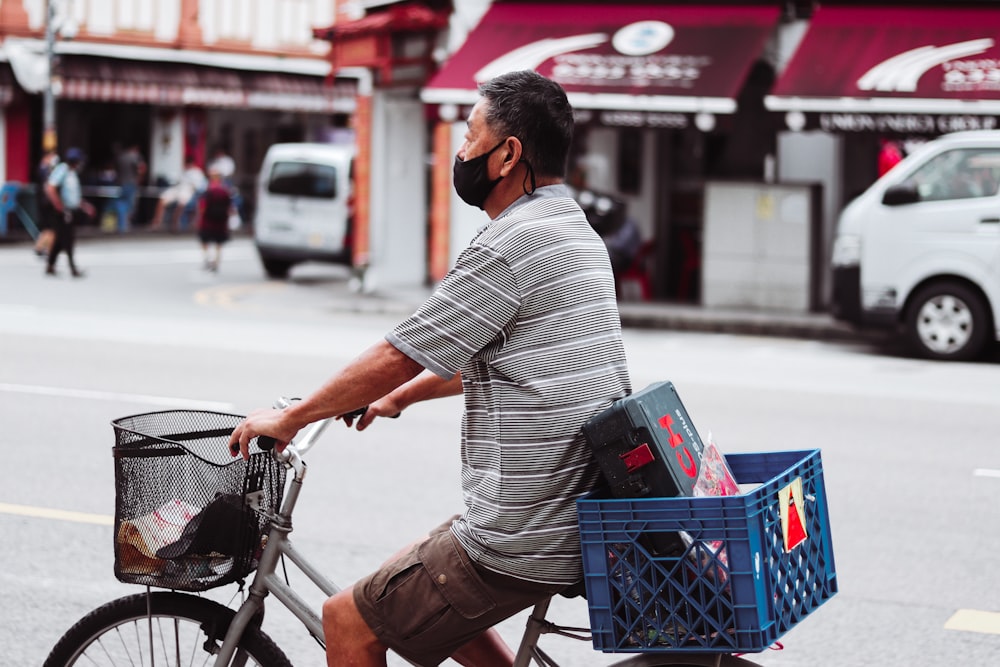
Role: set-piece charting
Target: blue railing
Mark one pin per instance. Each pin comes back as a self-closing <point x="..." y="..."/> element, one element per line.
<point x="9" y="205"/>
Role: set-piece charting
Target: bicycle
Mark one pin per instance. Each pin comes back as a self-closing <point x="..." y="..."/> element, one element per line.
<point x="178" y="628"/>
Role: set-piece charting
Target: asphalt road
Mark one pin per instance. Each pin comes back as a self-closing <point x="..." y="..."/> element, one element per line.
<point x="909" y="447"/>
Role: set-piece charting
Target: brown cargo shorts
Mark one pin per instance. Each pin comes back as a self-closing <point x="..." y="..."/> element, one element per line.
<point x="432" y="600"/>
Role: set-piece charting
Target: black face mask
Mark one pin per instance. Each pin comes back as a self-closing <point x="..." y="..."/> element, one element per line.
<point x="472" y="181"/>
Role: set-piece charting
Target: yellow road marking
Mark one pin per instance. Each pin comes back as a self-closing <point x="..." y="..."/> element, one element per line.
<point x="229" y="296"/>
<point x="60" y="515"/>
<point x="973" y="620"/>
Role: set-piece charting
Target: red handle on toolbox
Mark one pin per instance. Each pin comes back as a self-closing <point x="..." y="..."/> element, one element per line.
<point x="637" y="458"/>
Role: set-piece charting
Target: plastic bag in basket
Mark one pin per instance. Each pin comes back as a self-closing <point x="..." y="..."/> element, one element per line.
<point x="714" y="479"/>
<point x="213" y="531"/>
<point x="139" y="539"/>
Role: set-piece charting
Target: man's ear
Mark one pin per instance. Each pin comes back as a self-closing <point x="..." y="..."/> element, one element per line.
<point x="512" y="157"/>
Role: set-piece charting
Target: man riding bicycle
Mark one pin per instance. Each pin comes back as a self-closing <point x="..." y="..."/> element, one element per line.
<point x="526" y="326"/>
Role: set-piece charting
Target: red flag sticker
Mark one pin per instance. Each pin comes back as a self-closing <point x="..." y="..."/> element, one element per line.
<point x="791" y="505"/>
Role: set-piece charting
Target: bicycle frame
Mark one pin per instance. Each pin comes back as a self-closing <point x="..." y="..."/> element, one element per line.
<point x="266" y="581"/>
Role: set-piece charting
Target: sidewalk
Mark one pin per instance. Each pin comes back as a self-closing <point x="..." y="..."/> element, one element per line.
<point x="813" y="326"/>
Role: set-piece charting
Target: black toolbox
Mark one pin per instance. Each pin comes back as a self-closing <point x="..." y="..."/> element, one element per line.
<point x="646" y="445"/>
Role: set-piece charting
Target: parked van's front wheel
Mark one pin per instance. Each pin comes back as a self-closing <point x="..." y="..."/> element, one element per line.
<point x="947" y="321"/>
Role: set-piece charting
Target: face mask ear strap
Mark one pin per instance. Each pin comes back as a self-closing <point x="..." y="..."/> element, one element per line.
<point x="529" y="176"/>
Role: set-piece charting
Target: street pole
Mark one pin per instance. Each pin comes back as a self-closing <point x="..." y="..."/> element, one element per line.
<point x="49" y="102"/>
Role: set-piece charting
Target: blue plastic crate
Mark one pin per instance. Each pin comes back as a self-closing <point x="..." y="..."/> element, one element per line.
<point x="741" y="597"/>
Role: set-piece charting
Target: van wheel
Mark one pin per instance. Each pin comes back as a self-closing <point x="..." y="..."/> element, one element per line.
<point x="947" y="321"/>
<point x="275" y="268"/>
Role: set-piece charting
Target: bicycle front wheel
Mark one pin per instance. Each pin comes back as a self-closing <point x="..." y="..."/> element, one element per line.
<point x="161" y="629"/>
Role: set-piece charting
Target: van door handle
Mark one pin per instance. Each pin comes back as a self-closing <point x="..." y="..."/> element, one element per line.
<point x="993" y="221"/>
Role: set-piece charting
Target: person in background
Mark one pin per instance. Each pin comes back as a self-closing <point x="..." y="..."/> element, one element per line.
<point x="180" y="196"/>
<point x="66" y="196"/>
<point x="213" y="223"/>
<point x="619" y="231"/>
<point x="889" y="155"/>
<point x="223" y="164"/>
<point x="46" y="223"/>
<point x="131" y="170"/>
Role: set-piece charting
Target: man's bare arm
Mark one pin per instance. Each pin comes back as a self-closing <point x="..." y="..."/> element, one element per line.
<point x="424" y="387"/>
<point x="378" y="371"/>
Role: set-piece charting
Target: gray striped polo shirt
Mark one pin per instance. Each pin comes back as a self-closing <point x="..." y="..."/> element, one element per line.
<point x="528" y="315"/>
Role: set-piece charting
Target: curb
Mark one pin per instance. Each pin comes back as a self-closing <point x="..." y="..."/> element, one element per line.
<point x="810" y="326"/>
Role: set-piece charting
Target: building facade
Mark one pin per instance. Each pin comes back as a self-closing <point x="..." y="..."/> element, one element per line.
<point x="175" y="78"/>
<point x="731" y="132"/>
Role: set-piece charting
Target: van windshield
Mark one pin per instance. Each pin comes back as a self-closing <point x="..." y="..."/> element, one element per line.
<point x="303" y="179"/>
<point x="958" y="174"/>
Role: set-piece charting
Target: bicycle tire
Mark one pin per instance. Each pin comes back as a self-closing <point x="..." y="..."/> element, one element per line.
<point x="186" y="630"/>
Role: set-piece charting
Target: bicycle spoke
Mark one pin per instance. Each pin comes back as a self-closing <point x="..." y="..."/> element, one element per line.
<point x="157" y="642"/>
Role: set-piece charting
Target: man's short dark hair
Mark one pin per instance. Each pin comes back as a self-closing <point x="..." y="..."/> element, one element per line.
<point x="534" y="109"/>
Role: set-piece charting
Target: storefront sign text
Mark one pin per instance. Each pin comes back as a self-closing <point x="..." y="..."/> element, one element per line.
<point x="616" y="118"/>
<point x="627" y="71"/>
<point x="904" y="123"/>
<point x="971" y="76"/>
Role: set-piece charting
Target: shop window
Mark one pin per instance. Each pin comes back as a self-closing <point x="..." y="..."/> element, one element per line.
<point x="629" y="161"/>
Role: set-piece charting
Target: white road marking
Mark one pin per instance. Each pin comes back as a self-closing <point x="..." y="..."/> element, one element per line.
<point x="59" y="515"/>
<point x="985" y="472"/>
<point x="144" y="399"/>
<point x="973" y="620"/>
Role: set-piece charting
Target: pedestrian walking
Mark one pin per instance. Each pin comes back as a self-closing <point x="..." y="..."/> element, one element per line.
<point x="65" y="194"/>
<point x="223" y="162"/>
<point x="213" y="224"/>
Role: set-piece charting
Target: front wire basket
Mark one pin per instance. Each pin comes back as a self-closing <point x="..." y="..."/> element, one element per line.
<point x="182" y="514"/>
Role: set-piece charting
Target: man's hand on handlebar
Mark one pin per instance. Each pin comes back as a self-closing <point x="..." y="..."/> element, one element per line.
<point x="366" y="415"/>
<point x="266" y="422"/>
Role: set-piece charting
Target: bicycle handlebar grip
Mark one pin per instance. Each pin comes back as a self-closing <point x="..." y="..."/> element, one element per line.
<point x="354" y="414"/>
<point x="265" y="442"/>
<point x="349" y="417"/>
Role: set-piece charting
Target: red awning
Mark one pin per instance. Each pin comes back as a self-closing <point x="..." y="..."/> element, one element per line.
<point x="624" y="57"/>
<point x="894" y="60"/>
<point x="398" y="18"/>
<point x="176" y="84"/>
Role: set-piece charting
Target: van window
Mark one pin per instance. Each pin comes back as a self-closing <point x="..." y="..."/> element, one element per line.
<point x="958" y="174"/>
<point x="303" y="179"/>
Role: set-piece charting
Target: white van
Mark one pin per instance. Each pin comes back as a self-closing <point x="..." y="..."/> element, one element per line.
<point x="303" y="206"/>
<point x="919" y="251"/>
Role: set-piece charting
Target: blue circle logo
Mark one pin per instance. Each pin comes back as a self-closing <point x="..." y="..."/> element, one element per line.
<point x="643" y="38"/>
